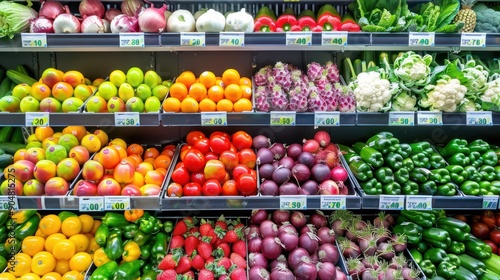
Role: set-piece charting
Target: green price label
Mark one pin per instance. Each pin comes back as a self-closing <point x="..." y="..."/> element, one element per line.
<point x="91" y="204"/>
<point x="37" y="119"/>
<point x="419" y="202"/>
<point x="34" y="40"/>
<point x="490" y="202"/>
<point x="327" y="118"/>
<point x="334" y="38"/>
<point x="479" y="118"/>
<point x="135" y="39"/>
<point x="195" y="39"/>
<point x="8" y="203"/>
<point x="298" y="38"/>
<point x="429" y="118"/>
<point x="391" y="202"/>
<point x="401" y="118"/>
<point x="333" y="202"/>
<point x="283" y="118"/>
<point x="295" y="202"/>
<point x="232" y="39"/>
<point x="116" y="203"/>
<point x="473" y="40"/>
<point x="421" y="39"/>
<point x="214" y="118"/>
<point x="127" y="119"/>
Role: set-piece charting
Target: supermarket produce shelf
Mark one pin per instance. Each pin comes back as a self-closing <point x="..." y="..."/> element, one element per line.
<point x="73" y="202"/>
<point x="86" y="119"/>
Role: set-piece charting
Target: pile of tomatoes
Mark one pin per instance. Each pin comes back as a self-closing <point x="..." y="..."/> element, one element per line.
<point x="220" y="164"/>
<point x="486" y="226"/>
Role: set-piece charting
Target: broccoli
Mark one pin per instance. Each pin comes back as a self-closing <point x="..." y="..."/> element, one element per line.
<point x="487" y="20"/>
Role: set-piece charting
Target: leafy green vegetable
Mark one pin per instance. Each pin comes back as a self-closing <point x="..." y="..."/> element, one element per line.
<point x="15" y="18"/>
<point x="449" y="9"/>
<point x="436" y="16"/>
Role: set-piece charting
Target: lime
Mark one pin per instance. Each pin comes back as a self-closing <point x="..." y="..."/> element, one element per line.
<point x="143" y="92"/>
<point x="135" y="76"/>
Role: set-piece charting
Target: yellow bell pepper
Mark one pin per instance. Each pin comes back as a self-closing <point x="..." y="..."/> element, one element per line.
<point x="131" y="251"/>
<point x="100" y="257"/>
<point x="133" y="215"/>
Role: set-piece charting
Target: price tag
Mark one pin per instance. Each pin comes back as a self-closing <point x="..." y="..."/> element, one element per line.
<point x="133" y="39"/>
<point x="479" y="118"/>
<point x="418" y="202"/>
<point x="327" y="118"/>
<point x="91" y="203"/>
<point x="9" y="202"/>
<point x="213" y="118"/>
<point x="34" y="40"/>
<point x="473" y="40"/>
<point x="402" y="118"/>
<point x="421" y="39"/>
<point x="127" y="119"/>
<point x="338" y="38"/>
<point x="391" y="202"/>
<point x="116" y="203"/>
<point x="195" y="39"/>
<point x="232" y="39"/>
<point x="336" y="202"/>
<point x="293" y="202"/>
<point x="298" y="38"/>
<point x="37" y="119"/>
<point x="429" y="118"/>
<point x="490" y="201"/>
<point x="283" y="118"/>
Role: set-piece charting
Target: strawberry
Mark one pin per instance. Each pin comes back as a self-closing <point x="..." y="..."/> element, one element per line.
<point x="177" y="241"/>
<point x="232" y="236"/>
<point x="205" y="227"/>
<point x="226" y="250"/>
<point x="168" y="262"/>
<point x="237" y="224"/>
<point x="183" y="226"/>
<point x="238" y="260"/>
<point x="184" y="265"/>
<point x="225" y="262"/>
<point x="204" y="248"/>
<point x="210" y="260"/>
<point x="190" y="244"/>
<point x="206" y="274"/>
<point x="223" y="277"/>
<point x="169" y="274"/>
<point x="238" y="274"/>
<point x="197" y="262"/>
<point x="221" y="222"/>
<point x="189" y="275"/>
<point x="194" y="230"/>
<point x="240" y="248"/>
<point x="212" y="234"/>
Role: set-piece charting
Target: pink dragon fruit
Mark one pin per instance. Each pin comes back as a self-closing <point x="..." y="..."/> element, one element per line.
<point x="331" y="96"/>
<point x="262" y="104"/>
<point x="298" y="99"/>
<point x="282" y="75"/>
<point x="296" y="76"/>
<point x="314" y="71"/>
<point x="316" y="103"/>
<point x="332" y="72"/>
<point x="279" y="99"/>
<point x="347" y="101"/>
<point x="321" y="83"/>
<point x="260" y="78"/>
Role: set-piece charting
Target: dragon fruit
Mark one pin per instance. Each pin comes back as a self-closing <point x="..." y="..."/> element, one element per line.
<point x="331" y="96"/>
<point x="260" y="78"/>
<point x="347" y="101"/>
<point x="282" y="75"/>
<point x="296" y="76"/>
<point x="262" y="104"/>
<point x="332" y="72"/>
<point x="279" y="99"/>
<point x="316" y="103"/>
<point x="321" y="83"/>
<point x="298" y="99"/>
<point x="314" y="71"/>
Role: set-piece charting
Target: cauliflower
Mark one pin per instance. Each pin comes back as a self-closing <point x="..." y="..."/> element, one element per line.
<point x="413" y="70"/>
<point x="404" y="102"/>
<point x="490" y="98"/>
<point x="373" y="92"/>
<point x="477" y="78"/>
<point x="445" y="96"/>
<point x="468" y="106"/>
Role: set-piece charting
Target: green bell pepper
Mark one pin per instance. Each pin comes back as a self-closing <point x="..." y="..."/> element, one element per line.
<point x="147" y="225"/>
<point x="461" y="273"/>
<point x="383" y="142"/>
<point x="420" y="160"/>
<point x="115" y="231"/>
<point x="488" y="172"/>
<point x="460" y="159"/>
<point x="470" y="187"/>
<point x="428" y="268"/>
<point x="447" y="189"/>
<point x="478" y="145"/>
<point x="497" y="169"/>
<point x="458" y="229"/>
<point x="454" y="259"/>
<point x="4" y="234"/>
<point x="141" y="238"/>
<point x="457" y="173"/>
<point x="130" y="230"/>
<point x="475" y="159"/>
<point x="105" y="271"/>
<point x="476" y="248"/>
<point x="146" y="249"/>
<point x="361" y="169"/>
<point x="391" y="188"/>
<point x="148" y="266"/>
<point x="473" y="173"/>
<point x="436" y="237"/>
<point x="436" y="277"/>
<point x="402" y="175"/>
<point x="437" y="161"/>
<point x="420" y="175"/>
<point x="485" y="188"/>
<point x="404" y="150"/>
<point x="369" y="155"/>
<point x="456" y="247"/>
<point x="416" y="255"/>
<point x="421" y="218"/>
<point x="436" y="255"/>
<point x="101" y="234"/>
<point x="446" y="269"/>
<point x="129" y="270"/>
<point x="428" y="188"/>
<point x="412" y="231"/>
<point x="112" y="219"/>
<point x="490" y="158"/>
<point x="114" y="247"/>
<point x="473" y="265"/>
<point x="495" y="187"/>
<point x="440" y="176"/>
<point x="159" y="249"/>
<point x="422" y="247"/>
<point x="4" y="216"/>
<point x="372" y="187"/>
<point x="393" y="160"/>
<point x="149" y="275"/>
<point x="409" y="188"/>
<point x="408" y="164"/>
<point x="168" y="227"/>
<point x="421" y="147"/>
<point x="455" y="146"/>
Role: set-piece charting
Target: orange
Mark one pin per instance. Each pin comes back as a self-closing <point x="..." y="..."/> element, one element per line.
<point x="97" y="223"/>
<point x="162" y="170"/>
<point x="80" y="261"/>
<point x="150" y="161"/>
<point x="179" y="91"/>
<point x="187" y="78"/>
<point x="220" y="83"/>
<point x="52" y="276"/>
<point x="87" y="223"/>
<point x="119" y="142"/>
<point x="171" y="104"/>
<point x="62" y="266"/>
<point x="207" y="105"/>
<point x="76" y="130"/>
<point x="216" y="93"/>
<point x="231" y="76"/>
<point x="20" y="264"/>
<point x="225" y="105"/>
<point x="109" y="157"/>
<point x="50" y="224"/>
<point x="64" y="249"/>
<point x="243" y="105"/>
<point x="73" y="275"/>
<point x="81" y="241"/>
<point x="245" y="81"/>
<point x="71" y="226"/>
<point x="93" y="246"/>
<point x="162" y="161"/>
<point x="246" y="91"/>
<point x="151" y="152"/>
<point x="32" y="245"/>
<point x="43" y="263"/>
<point x="197" y="91"/>
<point x="52" y="239"/>
<point x="207" y="78"/>
<point x="135" y="149"/>
<point x="42" y="132"/>
<point x="189" y="105"/>
<point x="233" y="92"/>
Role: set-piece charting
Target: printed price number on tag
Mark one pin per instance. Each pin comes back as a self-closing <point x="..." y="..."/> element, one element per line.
<point x="37" y="119"/>
<point x="132" y="39"/>
<point x="479" y="118"/>
<point x="9" y="203"/>
<point x="293" y="202"/>
<point x="298" y="38"/>
<point x="430" y="118"/>
<point x="91" y="204"/>
<point x="232" y="39"/>
<point x="332" y="202"/>
<point x="283" y="118"/>
<point x="402" y="118"/>
<point x="213" y="118"/>
<point x="34" y="40"/>
<point x="391" y="202"/>
<point x="419" y="202"/>
<point x="117" y="203"/>
<point x="127" y="119"/>
<point x="327" y="118"/>
<point x="334" y="38"/>
<point x="195" y="39"/>
<point x="421" y="39"/>
<point x="490" y="202"/>
<point x="473" y="40"/>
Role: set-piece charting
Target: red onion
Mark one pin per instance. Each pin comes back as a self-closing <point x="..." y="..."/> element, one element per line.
<point x="328" y="253"/>
<point x="306" y="158"/>
<point x="93" y="24"/>
<point x="298" y="219"/>
<point x="66" y="23"/>
<point x="268" y="229"/>
<point x="308" y="228"/>
<point x="153" y="19"/>
<point x="287" y="162"/>
<point x="289" y="239"/>
<point x="271" y="247"/>
<point x="254" y="245"/>
<point x="51" y="9"/>
<point x="261" y="141"/>
<point x="301" y="172"/>
<point x="310" y="186"/>
<point x="264" y="155"/>
<point x="311" y="146"/>
<point x="42" y="25"/>
<point x="258" y="216"/>
<point x="327" y="157"/>
<point x="306" y="271"/>
<point x="278" y="150"/>
<point x="280" y="216"/>
<point x="338" y="174"/>
<point x="287" y="227"/>
<point x="294" y="150"/>
<point x="281" y="272"/>
<point x="269" y="187"/>
<point x="340" y="275"/>
<point x="289" y="188"/>
<point x="257" y="259"/>
<point x="132" y="7"/>
<point x="111" y="13"/>
<point x="326" y="271"/>
<point x="318" y="219"/>
<point x="281" y="175"/>
<point x="320" y="172"/>
<point x="124" y="23"/>
<point x="266" y="171"/>
<point x="252" y="231"/>
<point x="297" y="256"/>
<point x="328" y="187"/>
<point x="322" y="137"/>
<point x="309" y="241"/>
<point x="90" y="8"/>
<point x="258" y="273"/>
<point x="278" y="262"/>
<point x="326" y="235"/>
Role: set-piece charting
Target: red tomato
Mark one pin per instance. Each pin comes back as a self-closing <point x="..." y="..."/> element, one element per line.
<point x="180" y="175"/>
<point x="198" y="177"/>
<point x="210" y="155"/>
<point x="191" y="189"/>
<point x="194" y="160"/>
<point x="194" y="135"/>
<point x="488" y="217"/>
<point x="211" y="187"/>
<point x="219" y="144"/>
<point x="214" y="169"/>
<point x="230" y="159"/>
<point x="495" y="236"/>
<point x="184" y="150"/>
<point x="247" y="157"/>
<point x="494" y="247"/>
<point x="241" y="140"/>
<point x="497" y="219"/>
<point x="247" y="185"/>
<point x="179" y="164"/>
<point x="202" y="145"/>
<point x="226" y="178"/>
<point x="219" y="133"/>
<point x="480" y="230"/>
<point x="239" y="170"/>
<point x="233" y="148"/>
<point x="253" y="173"/>
<point x="229" y="188"/>
<point x="174" y="190"/>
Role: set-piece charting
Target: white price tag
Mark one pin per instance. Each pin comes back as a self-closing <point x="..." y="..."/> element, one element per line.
<point x="133" y="39"/>
<point x="418" y="202"/>
<point x="299" y="38"/>
<point x="34" y="40"/>
<point x="195" y="39"/>
<point x="127" y="119"/>
<point x="429" y="118"/>
<point x="213" y="118"/>
<point x="336" y="202"/>
<point x="479" y="118"/>
<point x="490" y="202"/>
<point x="336" y="38"/>
<point x="421" y="39"/>
<point x="232" y="39"/>
<point x="402" y="118"/>
<point x="391" y="202"/>
<point x="91" y="203"/>
<point x="116" y="203"/>
<point x="9" y="202"/>
<point x="473" y="40"/>
<point x="37" y="119"/>
<point x="326" y="118"/>
<point x="283" y="118"/>
<point x="293" y="202"/>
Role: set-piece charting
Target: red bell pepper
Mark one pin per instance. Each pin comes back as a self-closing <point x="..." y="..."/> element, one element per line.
<point x="328" y="18"/>
<point x="306" y="20"/>
<point x="349" y="24"/>
<point x="265" y="20"/>
<point x="286" y="20"/>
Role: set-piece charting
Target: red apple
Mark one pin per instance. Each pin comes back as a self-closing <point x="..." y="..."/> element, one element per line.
<point x="85" y="188"/>
<point x="56" y="186"/>
<point x="131" y="190"/>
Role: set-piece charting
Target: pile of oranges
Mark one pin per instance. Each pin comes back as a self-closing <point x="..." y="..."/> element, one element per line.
<point x="208" y="93"/>
<point x="59" y="250"/>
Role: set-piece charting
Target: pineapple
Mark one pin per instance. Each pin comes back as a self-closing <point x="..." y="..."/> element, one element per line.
<point x="467" y="15"/>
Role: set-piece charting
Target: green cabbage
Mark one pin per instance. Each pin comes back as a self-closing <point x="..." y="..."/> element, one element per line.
<point x="15" y="18"/>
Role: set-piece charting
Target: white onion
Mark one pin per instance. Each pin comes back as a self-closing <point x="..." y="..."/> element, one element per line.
<point x="51" y="9"/>
<point x="90" y="8"/>
<point x="153" y="19"/>
<point x="132" y="7"/>
<point x="124" y="23"/>
<point x="93" y="24"/>
<point x="111" y="13"/>
<point x="66" y="23"/>
<point x="42" y="25"/>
